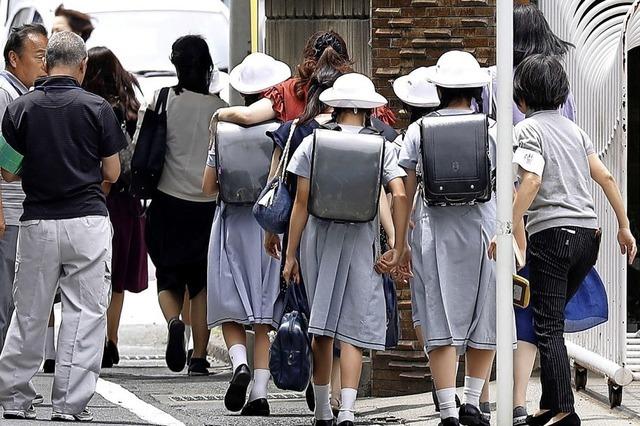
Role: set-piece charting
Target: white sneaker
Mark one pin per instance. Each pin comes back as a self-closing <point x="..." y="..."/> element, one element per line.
<point x="28" y="414"/>
<point x="84" y="416"/>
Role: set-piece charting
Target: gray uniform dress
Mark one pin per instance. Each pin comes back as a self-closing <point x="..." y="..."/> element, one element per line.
<point x="243" y="281"/>
<point x="336" y="259"/>
<point x="454" y="285"/>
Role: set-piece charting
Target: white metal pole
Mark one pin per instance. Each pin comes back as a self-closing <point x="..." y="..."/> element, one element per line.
<point x="504" y="302"/>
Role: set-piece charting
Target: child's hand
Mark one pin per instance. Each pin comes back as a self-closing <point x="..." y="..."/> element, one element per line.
<point x="291" y="270"/>
<point x="493" y="248"/>
<point x="272" y="245"/>
<point x="387" y="261"/>
<point x="627" y="244"/>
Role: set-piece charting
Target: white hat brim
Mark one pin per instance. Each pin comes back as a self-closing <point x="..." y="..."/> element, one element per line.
<point x="334" y="99"/>
<point x="402" y="90"/>
<point x="280" y="74"/>
<point x="459" y="81"/>
<point x="220" y="84"/>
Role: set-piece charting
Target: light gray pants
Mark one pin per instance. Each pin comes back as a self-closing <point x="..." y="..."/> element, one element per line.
<point x="71" y="254"/>
<point x="7" y="273"/>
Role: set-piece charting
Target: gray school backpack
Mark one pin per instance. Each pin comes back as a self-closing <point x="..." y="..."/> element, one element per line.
<point x="456" y="169"/>
<point x="346" y="174"/>
<point x="243" y="158"/>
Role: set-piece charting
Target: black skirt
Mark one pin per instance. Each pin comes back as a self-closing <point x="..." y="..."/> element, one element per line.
<point x="178" y="231"/>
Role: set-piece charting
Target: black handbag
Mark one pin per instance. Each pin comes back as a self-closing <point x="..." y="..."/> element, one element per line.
<point x="150" y="150"/>
<point x="290" y="353"/>
<point x="456" y="169"/>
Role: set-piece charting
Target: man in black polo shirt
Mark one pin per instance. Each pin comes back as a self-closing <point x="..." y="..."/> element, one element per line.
<point x="70" y="141"/>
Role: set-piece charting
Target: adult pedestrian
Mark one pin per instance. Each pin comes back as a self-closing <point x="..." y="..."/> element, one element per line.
<point x="24" y="59"/>
<point x="64" y="236"/>
<point x="74" y="21"/>
<point x="108" y="79"/>
<point x="556" y="162"/>
<point x="180" y="215"/>
<point x="453" y="288"/>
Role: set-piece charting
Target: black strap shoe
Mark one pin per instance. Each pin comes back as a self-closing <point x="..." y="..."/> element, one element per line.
<point x="258" y="408"/>
<point x="540" y="420"/>
<point x="176" y="356"/>
<point x="471" y="416"/>
<point x="237" y="392"/>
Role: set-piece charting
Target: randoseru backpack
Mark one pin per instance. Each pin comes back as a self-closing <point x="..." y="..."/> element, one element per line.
<point x="456" y="169"/>
<point x="346" y="174"/>
<point x="243" y="157"/>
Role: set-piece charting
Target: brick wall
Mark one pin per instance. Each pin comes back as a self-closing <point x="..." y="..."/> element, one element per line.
<point x="406" y="34"/>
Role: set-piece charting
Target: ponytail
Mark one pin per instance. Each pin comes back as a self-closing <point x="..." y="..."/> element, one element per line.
<point x="330" y="66"/>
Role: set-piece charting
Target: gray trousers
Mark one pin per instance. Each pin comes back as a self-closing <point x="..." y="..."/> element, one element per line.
<point x="71" y="254"/>
<point x="7" y="273"/>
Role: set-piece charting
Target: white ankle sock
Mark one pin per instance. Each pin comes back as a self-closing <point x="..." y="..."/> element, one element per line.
<point x="187" y="337"/>
<point x="260" y="382"/>
<point x="238" y="355"/>
<point x="348" y="405"/>
<point x="472" y="390"/>
<point x="50" y="345"/>
<point x="447" y="400"/>
<point x="323" y="407"/>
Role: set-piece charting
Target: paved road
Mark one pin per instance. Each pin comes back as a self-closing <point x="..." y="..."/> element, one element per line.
<point x="142" y="391"/>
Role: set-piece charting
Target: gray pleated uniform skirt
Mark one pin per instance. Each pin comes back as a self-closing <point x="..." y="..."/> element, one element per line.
<point x="345" y="293"/>
<point x="454" y="284"/>
<point x="243" y="281"/>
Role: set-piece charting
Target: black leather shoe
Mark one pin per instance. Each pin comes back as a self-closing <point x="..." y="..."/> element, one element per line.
<point x="450" y="421"/>
<point x="237" y="392"/>
<point x="570" y="420"/>
<point x="198" y="367"/>
<point x="471" y="416"/>
<point x="310" y="396"/>
<point x="258" y="407"/>
<point x="331" y="422"/>
<point x="540" y="420"/>
<point x="49" y="366"/>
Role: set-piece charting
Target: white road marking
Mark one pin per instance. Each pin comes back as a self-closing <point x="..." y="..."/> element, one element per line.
<point x="120" y="396"/>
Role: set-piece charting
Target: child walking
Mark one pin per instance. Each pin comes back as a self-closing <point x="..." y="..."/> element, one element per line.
<point x="337" y="259"/>
<point x="556" y="162"/>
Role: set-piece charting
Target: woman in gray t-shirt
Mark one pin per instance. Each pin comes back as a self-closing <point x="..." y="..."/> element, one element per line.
<point x="556" y="161"/>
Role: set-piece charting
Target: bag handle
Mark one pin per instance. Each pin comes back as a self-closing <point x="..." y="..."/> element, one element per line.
<point x="162" y="100"/>
<point x="281" y="170"/>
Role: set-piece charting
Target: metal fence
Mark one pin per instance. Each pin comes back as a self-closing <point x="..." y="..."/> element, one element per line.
<point x="603" y="31"/>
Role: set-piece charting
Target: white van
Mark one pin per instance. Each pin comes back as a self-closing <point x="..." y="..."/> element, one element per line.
<point x="139" y="32"/>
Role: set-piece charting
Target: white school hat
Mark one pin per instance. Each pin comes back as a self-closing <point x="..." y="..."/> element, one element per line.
<point x="219" y="81"/>
<point x="456" y="69"/>
<point x="352" y="90"/>
<point x="414" y="89"/>
<point x="258" y="72"/>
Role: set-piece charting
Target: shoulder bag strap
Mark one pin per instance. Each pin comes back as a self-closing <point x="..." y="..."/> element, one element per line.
<point x="284" y="158"/>
<point x="161" y="102"/>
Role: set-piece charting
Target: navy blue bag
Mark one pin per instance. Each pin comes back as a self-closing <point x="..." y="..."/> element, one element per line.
<point x="393" y="320"/>
<point x="273" y="208"/>
<point x="290" y="354"/>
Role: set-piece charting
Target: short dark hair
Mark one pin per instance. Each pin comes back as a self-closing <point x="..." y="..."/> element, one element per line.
<point x="80" y="23"/>
<point x="533" y="35"/>
<point x="18" y="36"/>
<point x="541" y="82"/>
<point x="194" y="65"/>
<point x="448" y="95"/>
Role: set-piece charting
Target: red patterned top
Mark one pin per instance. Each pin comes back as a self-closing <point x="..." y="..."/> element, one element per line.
<point x="288" y="106"/>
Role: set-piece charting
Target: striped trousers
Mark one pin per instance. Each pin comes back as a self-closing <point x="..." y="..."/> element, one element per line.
<point x="560" y="259"/>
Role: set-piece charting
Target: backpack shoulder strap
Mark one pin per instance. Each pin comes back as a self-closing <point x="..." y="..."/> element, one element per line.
<point x="331" y="125"/>
<point x="369" y="131"/>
